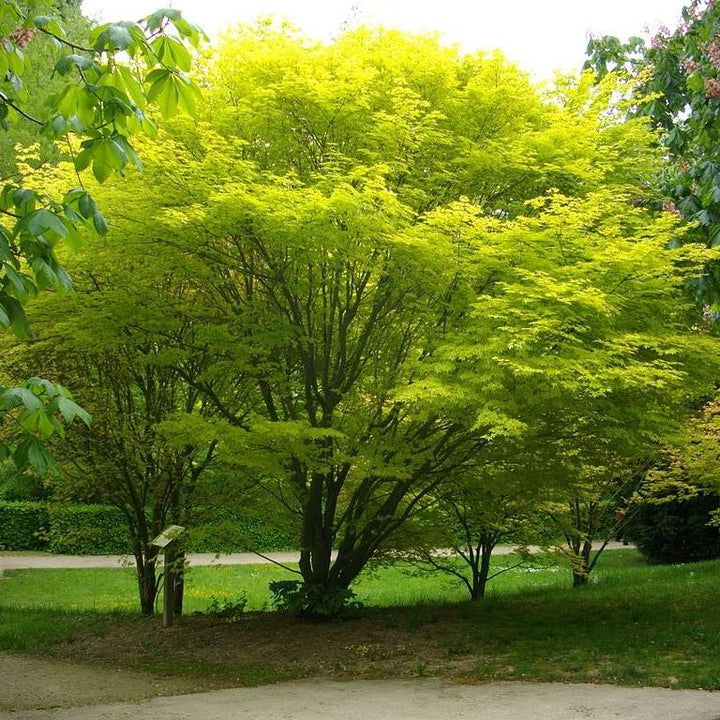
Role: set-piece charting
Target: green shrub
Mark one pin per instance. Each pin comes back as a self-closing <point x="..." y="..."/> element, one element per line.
<point x="23" y="525"/>
<point x="227" y="609"/>
<point x="228" y="532"/>
<point x="87" y="530"/>
<point x="312" y="601"/>
<point x="20" y="485"/>
<point x="675" y="530"/>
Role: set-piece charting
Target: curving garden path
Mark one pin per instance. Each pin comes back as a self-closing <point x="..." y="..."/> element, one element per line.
<point x="418" y="699"/>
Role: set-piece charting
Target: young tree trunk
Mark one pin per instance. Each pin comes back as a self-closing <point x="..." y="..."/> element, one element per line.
<point x="179" y="582"/>
<point x="580" y="577"/>
<point x="147" y="582"/>
<point x="581" y="542"/>
<point x="482" y="572"/>
<point x="477" y="591"/>
<point x="581" y="565"/>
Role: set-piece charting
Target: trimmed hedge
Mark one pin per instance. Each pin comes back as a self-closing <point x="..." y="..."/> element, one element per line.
<point x="23" y="525"/>
<point x="87" y="530"/>
<point x="226" y="534"/>
<point x="101" y="530"/>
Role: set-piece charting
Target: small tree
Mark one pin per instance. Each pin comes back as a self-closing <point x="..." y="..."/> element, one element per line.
<point x="601" y="383"/>
<point x="143" y="453"/>
<point x="457" y="534"/>
<point x="582" y="521"/>
<point x="128" y="338"/>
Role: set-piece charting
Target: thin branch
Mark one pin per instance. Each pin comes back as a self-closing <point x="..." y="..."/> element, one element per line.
<point x="277" y="562"/>
<point x="66" y="42"/>
<point x="159" y="31"/>
<point x="71" y="150"/>
<point x="19" y="110"/>
<point x="522" y="563"/>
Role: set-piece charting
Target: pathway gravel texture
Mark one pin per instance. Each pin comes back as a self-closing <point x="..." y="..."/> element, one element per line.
<point x="42" y="560"/>
<point x="38" y="560"/>
<point x="420" y="699"/>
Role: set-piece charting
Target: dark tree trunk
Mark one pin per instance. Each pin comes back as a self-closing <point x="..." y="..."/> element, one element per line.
<point x="179" y="582"/>
<point x="147" y="583"/>
<point x="480" y="578"/>
<point x="580" y="578"/>
<point x="480" y="565"/>
<point x="316" y="541"/>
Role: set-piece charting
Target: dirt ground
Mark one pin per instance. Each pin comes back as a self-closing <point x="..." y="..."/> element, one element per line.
<point x="373" y="667"/>
<point x="139" y="659"/>
<point x="256" y="648"/>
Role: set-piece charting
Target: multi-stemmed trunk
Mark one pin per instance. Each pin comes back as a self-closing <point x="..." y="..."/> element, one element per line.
<point x="481" y="568"/>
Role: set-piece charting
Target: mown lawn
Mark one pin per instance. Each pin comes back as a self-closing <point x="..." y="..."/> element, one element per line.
<point x="115" y="590"/>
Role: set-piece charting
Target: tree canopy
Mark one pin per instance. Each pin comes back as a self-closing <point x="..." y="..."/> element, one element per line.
<point x="378" y="265"/>
<point x="371" y="270"/>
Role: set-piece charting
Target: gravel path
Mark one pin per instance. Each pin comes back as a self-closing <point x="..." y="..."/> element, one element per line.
<point x="36" y="560"/>
<point x="420" y="699"/>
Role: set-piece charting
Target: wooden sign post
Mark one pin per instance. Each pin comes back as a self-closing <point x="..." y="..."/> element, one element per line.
<point x="169" y="541"/>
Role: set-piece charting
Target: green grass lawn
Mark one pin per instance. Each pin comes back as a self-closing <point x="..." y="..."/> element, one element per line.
<point x="633" y="623"/>
<point x="115" y="590"/>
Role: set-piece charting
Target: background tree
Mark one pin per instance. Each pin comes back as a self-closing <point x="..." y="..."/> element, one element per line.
<point x="598" y="350"/>
<point x="41" y="52"/>
<point x="143" y="453"/>
<point x="677" y="518"/>
<point x="679" y="93"/>
<point x="594" y="511"/>
<point x="128" y="339"/>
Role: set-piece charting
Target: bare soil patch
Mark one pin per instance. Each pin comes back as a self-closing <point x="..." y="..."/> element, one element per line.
<point x="256" y="648"/>
<point x="31" y="683"/>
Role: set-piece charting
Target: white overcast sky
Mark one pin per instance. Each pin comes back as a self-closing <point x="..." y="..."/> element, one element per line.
<point x="540" y="35"/>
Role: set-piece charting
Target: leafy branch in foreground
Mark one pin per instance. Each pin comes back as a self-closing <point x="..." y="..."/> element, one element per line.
<point x="113" y="82"/>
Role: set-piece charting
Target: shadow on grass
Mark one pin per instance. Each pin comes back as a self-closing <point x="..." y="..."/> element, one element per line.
<point x="637" y="625"/>
<point x="36" y="630"/>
